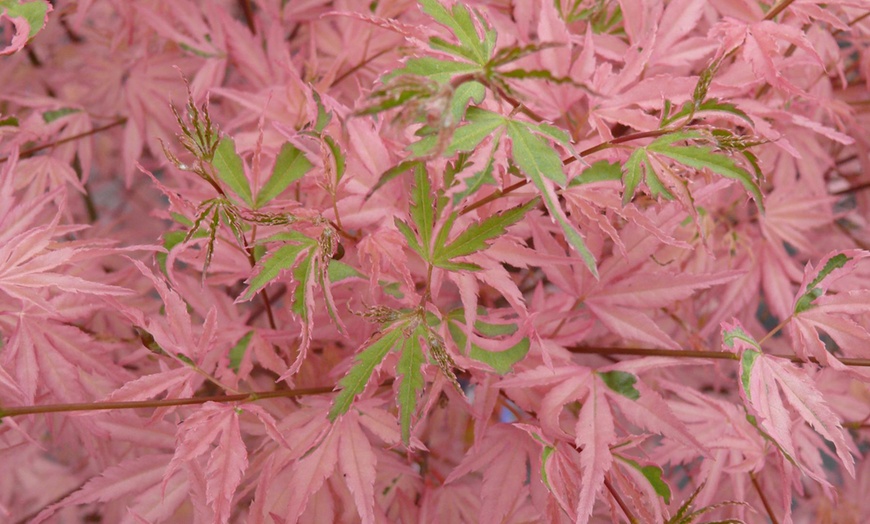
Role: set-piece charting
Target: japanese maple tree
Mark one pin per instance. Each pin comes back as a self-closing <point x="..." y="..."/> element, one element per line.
<point x="280" y="261"/>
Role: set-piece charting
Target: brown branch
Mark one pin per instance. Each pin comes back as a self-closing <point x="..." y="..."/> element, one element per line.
<point x="586" y="152"/>
<point x="613" y="493"/>
<point x="102" y="406"/>
<point x="715" y="355"/>
<point x="777" y="9"/>
<point x="30" y="152"/>
<point x="248" y="11"/>
<point x="764" y="501"/>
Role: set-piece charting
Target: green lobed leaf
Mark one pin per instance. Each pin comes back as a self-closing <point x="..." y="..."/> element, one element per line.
<point x="237" y="352"/>
<point x="621" y="382"/>
<point x="438" y="70"/>
<point x="459" y="21"/>
<point x="324" y="117"/>
<point x="813" y="292"/>
<point x="302" y="274"/>
<point x="533" y="155"/>
<point x="34" y="12"/>
<point x="701" y="157"/>
<point x="410" y="237"/>
<point x="337" y="155"/>
<point x="423" y="209"/>
<point x="747" y="361"/>
<point x="601" y="171"/>
<point x="475" y="237"/>
<point x="365" y="363"/>
<point x="51" y="116"/>
<point x="271" y="266"/>
<point x="290" y="166"/>
<point x="338" y="271"/>
<point x="463" y="95"/>
<point x="479" y="178"/>
<point x="392" y="173"/>
<point x="534" y="169"/>
<point x="500" y="361"/>
<point x="411" y="381"/>
<point x="231" y="170"/>
<point x="653" y="475"/>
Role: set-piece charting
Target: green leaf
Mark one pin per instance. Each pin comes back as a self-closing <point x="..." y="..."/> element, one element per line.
<point x="231" y="170"/>
<point x="551" y="201"/>
<point x="410" y="237"/>
<point x="476" y="236"/>
<point x="324" y="117"/>
<point x="813" y="292"/>
<point x="545" y="456"/>
<point x="290" y="166"/>
<point x="601" y="171"/>
<point x="459" y="21"/>
<point x="701" y="157"/>
<point x="479" y="178"/>
<point x="653" y="475"/>
<point x="500" y="361"/>
<point x="365" y="363"/>
<point x="463" y="95"/>
<point x="34" y="12"/>
<point x="337" y="155"/>
<point x="621" y="382"/>
<point x="533" y="155"/>
<point x="271" y="266"/>
<point x="302" y="276"/>
<point x="737" y="333"/>
<point x="9" y="121"/>
<point x="338" y="271"/>
<point x="633" y="173"/>
<point x="514" y="53"/>
<point x="747" y="360"/>
<point x="437" y="69"/>
<point x="408" y="369"/>
<point x="170" y="240"/>
<point x="392" y="173"/>
<point x="423" y="210"/>
<point x="51" y="116"/>
<point x="238" y="351"/>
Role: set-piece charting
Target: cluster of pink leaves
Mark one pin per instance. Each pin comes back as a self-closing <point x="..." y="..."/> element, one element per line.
<point x="569" y="433"/>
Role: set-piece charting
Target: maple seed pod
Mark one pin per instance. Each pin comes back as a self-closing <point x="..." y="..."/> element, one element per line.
<point x="381" y="314"/>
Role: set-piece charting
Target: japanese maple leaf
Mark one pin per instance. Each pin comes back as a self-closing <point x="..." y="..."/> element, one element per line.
<point x="502" y="456"/>
<point x="31" y="262"/>
<point x="227" y="461"/>
<point x="138" y="478"/>
<point x="759" y="45"/>
<point x="816" y="309"/>
<point x="766" y="381"/>
<point x="594" y="430"/>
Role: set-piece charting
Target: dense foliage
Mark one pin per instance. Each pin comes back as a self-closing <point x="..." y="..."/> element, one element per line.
<point x="317" y="261"/>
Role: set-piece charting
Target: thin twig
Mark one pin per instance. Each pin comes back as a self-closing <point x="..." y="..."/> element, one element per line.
<point x="248" y="12"/>
<point x="764" y="501"/>
<point x="103" y="406"/>
<point x="613" y="493"/>
<point x="30" y="152"/>
<point x="777" y="9"/>
<point x="715" y="355"/>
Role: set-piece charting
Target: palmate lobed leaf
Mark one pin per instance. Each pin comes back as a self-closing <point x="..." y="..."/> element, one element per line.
<point x="231" y="169"/>
<point x="459" y="21"/>
<point x="543" y="166"/>
<point x="365" y="363"/>
<point x="765" y="380"/>
<point x="410" y="375"/>
<point x="475" y="237"/>
<point x="290" y="166"/>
